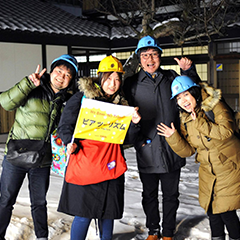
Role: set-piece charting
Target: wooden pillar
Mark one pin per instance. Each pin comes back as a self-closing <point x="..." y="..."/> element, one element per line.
<point x="212" y="74"/>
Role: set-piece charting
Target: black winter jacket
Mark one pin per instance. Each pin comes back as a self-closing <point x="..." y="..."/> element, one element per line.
<point x="152" y="96"/>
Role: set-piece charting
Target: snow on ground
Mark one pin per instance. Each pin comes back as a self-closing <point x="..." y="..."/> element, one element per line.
<point x="192" y="223"/>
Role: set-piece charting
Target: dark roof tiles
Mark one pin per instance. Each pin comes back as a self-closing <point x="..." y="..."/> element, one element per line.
<point x="40" y="17"/>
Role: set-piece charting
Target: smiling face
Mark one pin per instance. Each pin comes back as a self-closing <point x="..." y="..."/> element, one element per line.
<point x="60" y="78"/>
<point x="150" y="60"/>
<point x="186" y="101"/>
<point x="111" y="84"/>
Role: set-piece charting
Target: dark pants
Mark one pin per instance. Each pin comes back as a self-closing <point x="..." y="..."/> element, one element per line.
<point x="11" y="181"/>
<point x="228" y="219"/>
<point x="170" y="202"/>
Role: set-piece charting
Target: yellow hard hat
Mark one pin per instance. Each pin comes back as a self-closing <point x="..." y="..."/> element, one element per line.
<point x="110" y="64"/>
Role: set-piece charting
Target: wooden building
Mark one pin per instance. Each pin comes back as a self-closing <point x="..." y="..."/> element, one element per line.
<point x="37" y="31"/>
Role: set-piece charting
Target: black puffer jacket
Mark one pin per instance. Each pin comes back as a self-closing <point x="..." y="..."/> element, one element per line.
<point x="153" y="99"/>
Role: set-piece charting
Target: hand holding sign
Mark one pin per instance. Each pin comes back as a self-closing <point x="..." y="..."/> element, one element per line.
<point x="136" y="117"/>
<point x="105" y="122"/>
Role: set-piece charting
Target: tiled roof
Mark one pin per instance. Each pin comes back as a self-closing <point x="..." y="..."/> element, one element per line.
<point x="41" y="17"/>
<point x="122" y="32"/>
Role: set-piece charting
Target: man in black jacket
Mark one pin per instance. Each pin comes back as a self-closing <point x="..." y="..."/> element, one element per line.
<point x="150" y="90"/>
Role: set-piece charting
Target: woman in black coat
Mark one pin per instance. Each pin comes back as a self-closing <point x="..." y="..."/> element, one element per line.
<point x="102" y="200"/>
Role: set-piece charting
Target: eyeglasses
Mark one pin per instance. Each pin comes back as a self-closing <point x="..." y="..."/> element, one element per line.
<point x="147" y="55"/>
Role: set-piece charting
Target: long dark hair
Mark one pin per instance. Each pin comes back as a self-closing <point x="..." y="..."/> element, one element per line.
<point x="196" y="93"/>
<point x="103" y="76"/>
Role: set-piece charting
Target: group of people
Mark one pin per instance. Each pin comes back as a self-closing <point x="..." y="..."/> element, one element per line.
<point x="174" y="117"/>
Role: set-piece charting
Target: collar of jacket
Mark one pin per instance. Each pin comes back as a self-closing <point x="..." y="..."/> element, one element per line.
<point x="90" y="88"/>
<point x="145" y="75"/>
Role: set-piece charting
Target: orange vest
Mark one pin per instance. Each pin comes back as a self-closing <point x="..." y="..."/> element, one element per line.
<point x="95" y="162"/>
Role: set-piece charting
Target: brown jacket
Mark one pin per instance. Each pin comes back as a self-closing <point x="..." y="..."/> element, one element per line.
<point x="218" y="152"/>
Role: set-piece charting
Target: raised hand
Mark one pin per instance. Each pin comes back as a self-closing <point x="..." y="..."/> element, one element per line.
<point x="184" y="63"/>
<point x="164" y="130"/>
<point x="35" y="77"/>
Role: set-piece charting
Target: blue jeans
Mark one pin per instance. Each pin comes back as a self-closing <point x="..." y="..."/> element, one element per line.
<point x="11" y="181"/>
<point x="80" y="226"/>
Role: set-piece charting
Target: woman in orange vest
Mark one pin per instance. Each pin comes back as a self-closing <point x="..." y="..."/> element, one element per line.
<point x="87" y="192"/>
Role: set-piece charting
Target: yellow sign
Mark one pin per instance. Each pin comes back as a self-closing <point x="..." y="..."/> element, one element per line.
<point x="101" y="121"/>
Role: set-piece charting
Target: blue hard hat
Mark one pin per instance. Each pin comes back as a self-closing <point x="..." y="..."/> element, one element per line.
<point x="147" y="42"/>
<point x="68" y="58"/>
<point x="181" y="84"/>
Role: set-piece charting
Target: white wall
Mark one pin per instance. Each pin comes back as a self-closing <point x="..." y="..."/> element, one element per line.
<point x="19" y="60"/>
<point x="54" y="52"/>
<point x="16" y="62"/>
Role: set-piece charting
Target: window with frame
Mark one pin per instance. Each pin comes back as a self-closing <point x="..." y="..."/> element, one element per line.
<point x="201" y="70"/>
<point x="225" y="48"/>
<point x="185" y="51"/>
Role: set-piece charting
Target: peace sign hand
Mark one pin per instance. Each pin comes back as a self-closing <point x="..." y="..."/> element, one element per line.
<point x="35" y="77"/>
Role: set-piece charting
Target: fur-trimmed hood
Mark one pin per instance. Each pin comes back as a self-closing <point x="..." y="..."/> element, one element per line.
<point x="210" y="97"/>
<point x="91" y="89"/>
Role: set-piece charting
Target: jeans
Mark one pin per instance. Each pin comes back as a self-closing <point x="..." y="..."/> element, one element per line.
<point x="219" y="221"/>
<point x="11" y="181"/>
<point x="80" y="226"/>
<point x="170" y="202"/>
